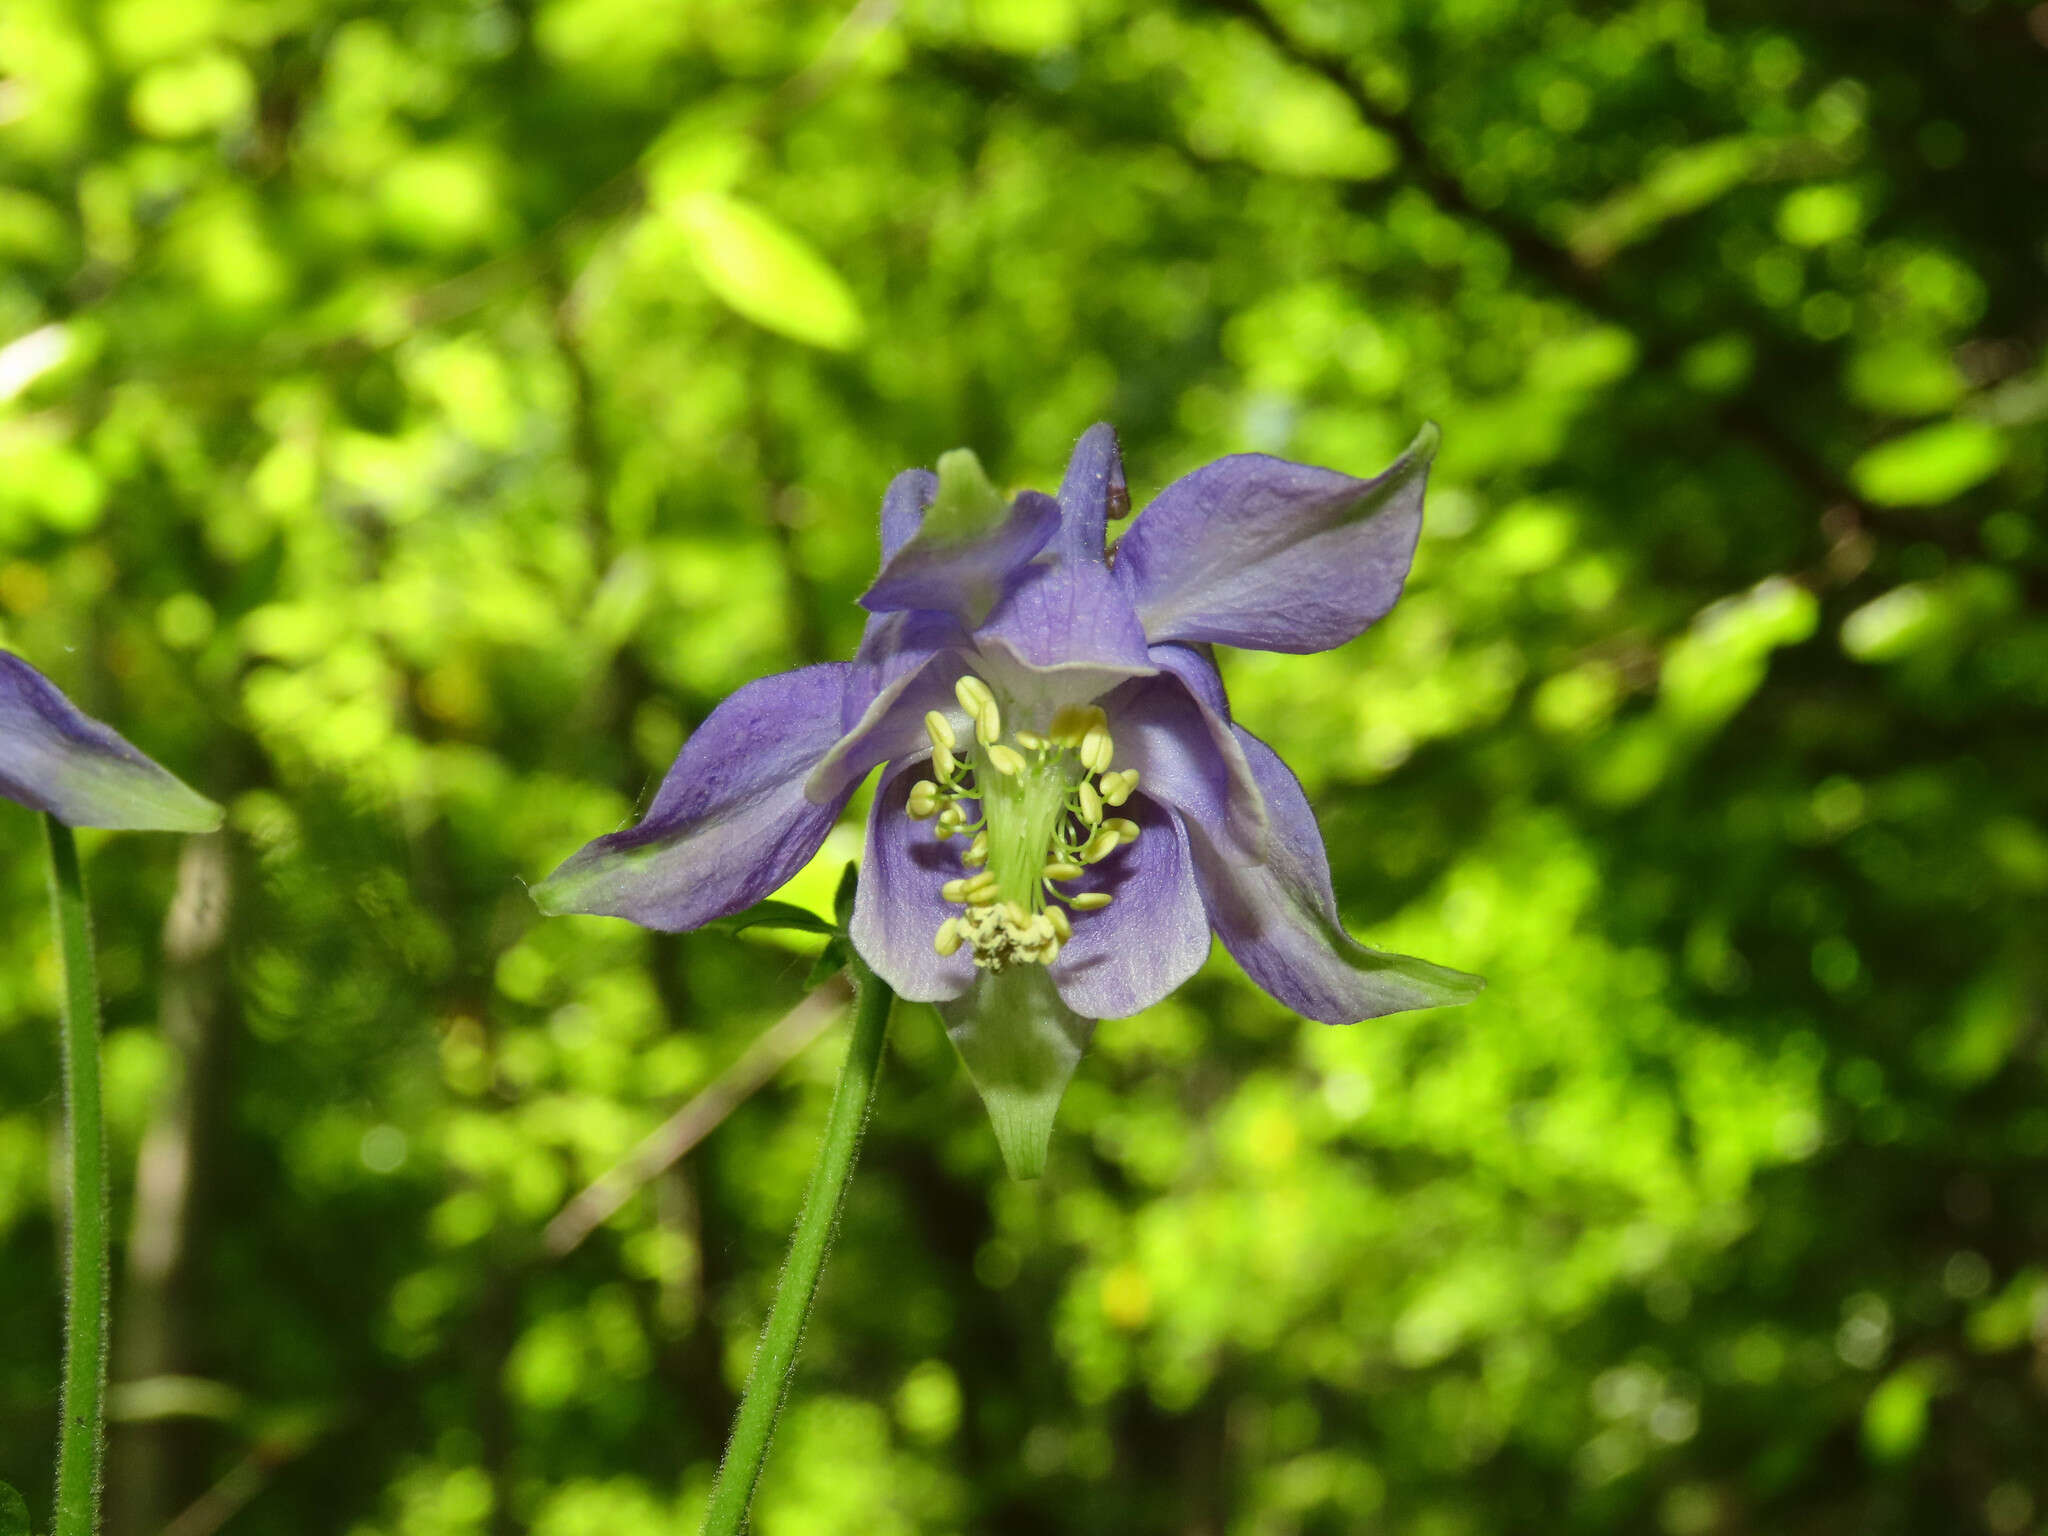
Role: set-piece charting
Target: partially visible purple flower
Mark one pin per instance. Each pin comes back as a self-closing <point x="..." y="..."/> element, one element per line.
<point x="1067" y="810"/>
<point x="55" y="759"/>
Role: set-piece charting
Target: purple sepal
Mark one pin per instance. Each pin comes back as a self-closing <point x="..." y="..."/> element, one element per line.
<point x="1258" y="552"/>
<point x="731" y="821"/>
<point x="56" y="759"/>
<point x="1279" y="917"/>
<point x="1175" y="730"/>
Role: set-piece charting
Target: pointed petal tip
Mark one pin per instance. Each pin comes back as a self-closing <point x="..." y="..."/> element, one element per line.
<point x="1428" y="438"/>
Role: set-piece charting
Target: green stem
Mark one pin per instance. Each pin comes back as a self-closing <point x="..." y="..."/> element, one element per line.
<point x="81" y="1445"/>
<point x="768" y="1383"/>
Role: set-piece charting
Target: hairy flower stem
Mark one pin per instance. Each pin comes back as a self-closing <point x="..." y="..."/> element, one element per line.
<point x="768" y="1383"/>
<point x="82" y="1440"/>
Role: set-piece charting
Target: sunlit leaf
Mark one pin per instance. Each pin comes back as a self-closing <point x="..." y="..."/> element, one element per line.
<point x="766" y="272"/>
<point x="1931" y="465"/>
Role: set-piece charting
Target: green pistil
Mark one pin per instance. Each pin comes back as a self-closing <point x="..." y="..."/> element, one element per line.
<point x="1024" y="812"/>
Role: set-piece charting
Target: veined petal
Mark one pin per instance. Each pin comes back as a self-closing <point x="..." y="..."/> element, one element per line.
<point x="54" y="758"/>
<point x="897" y="909"/>
<point x="1258" y="552"/>
<point x="1068" y="615"/>
<point x="1175" y="730"/>
<point x="1151" y="938"/>
<point x="731" y="821"/>
<point x="1020" y="1044"/>
<point x="1279" y="917"/>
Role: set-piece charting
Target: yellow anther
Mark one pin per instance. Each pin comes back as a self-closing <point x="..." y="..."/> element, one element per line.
<point x="1030" y="742"/>
<point x="977" y="851"/>
<point x="1096" y="749"/>
<point x="1092" y="901"/>
<point x="947" y="940"/>
<point x="1100" y="846"/>
<point x="1004" y="760"/>
<point x="988" y="724"/>
<point x="1062" y="869"/>
<point x="972" y="693"/>
<point x="953" y="890"/>
<point x="1073" y="722"/>
<point x="1018" y="917"/>
<point x="951" y="820"/>
<point x="940" y="729"/>
<point x="1091" y="803"/>
<point x="924" y="799"/>
<point x="1061" y="928"/>
<point x="943" y="761"/>
<point x="1117" y="787"/>
<point x="1126" y="830"/>
<point x="985" y="881"/>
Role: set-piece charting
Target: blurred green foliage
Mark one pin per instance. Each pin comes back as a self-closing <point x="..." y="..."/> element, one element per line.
<point x="414" y="417"/>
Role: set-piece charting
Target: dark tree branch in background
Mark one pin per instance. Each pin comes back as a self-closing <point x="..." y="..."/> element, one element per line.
<point x="1539" y="256"/>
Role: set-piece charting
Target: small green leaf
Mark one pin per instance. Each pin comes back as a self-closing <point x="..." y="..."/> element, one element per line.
<point x="13" y="1512"/>
<point x="842" y="898"/>
<point x="831" y="960"/>
<point x="773" y="914"/>
<point x="765" y="272"/>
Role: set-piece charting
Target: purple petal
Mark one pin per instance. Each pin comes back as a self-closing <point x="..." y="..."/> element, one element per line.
<point x="1154" y="936"/>
<point x="1258" y="552"/>
<point x="963" y="577"/>
<point x="1069" y="615"/>
<point x="894" y="646"/>
<point x="55" y="759"/>
<point x="1175" y="730"/>
<point x="731" y="821"/>
<point x="1066" y="614"/>
<point x="1279" y="918"/>
<point x="891" y="726"/>
<point x="896" y="907"/>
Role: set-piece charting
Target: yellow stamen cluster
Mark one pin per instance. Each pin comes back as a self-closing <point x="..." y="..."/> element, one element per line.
<point x="1045" y="799"/>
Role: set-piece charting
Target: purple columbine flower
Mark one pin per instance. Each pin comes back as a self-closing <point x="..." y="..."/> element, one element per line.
<point x="55" y="759"/>
<point x="1067" y="810"/>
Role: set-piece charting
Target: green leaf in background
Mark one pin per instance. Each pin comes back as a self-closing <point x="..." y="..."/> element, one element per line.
<point x="13" y="1512"/>
<point x="1681" y="183"/>
<point x="1931" y="465"/>
<point x="1895" y="1417"/>
<point x="1904" y="378"/>
<point x="766" y="272"/>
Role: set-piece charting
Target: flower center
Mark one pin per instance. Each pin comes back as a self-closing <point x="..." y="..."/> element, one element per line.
<point x="1043" y="801"/>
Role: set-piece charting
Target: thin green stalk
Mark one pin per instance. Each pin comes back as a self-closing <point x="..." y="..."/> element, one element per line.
<point x="82" y="1440"/>
<point x="768" y="1383"/>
